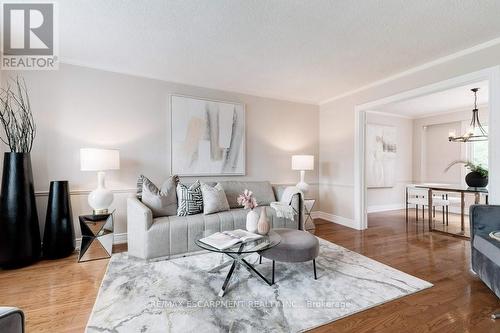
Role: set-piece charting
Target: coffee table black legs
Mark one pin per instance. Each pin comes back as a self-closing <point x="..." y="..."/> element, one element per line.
<point x="273" y="272"/>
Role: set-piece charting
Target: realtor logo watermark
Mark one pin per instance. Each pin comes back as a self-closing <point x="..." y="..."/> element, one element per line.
<point x="29" y="36"/>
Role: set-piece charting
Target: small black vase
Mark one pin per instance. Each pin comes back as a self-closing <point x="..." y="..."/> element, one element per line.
<point x="474" y="179"/>
<point x="59" y="233"/>
<point x="19" y="229"/>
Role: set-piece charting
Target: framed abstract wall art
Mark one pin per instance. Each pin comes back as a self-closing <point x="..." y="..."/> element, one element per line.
<point x="381" y="150"/>
<point x="207" y="137"/>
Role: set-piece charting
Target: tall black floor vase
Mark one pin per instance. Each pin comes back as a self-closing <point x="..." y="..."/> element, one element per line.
<point x="59" y="233"/>
<point x="19" y="230"/>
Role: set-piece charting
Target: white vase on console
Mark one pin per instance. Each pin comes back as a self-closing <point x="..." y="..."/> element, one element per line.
<point x="252" y="221"/>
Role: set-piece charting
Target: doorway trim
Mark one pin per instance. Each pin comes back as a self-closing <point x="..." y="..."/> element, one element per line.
<point x="492" y="74"/>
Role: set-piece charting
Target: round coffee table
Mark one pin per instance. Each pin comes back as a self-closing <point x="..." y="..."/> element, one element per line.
<point x="238" y="253"/>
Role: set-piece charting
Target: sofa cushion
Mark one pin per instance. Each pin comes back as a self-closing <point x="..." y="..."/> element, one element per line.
<point x="214" y="199"/>
<point x="190" y="199"/>
<point x="488" y="246"/>
<point x="262" y="191"/>
<point x="163" y="201"/>
<point x="174" y="235"/>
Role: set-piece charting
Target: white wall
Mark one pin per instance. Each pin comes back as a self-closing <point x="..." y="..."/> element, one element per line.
<point x="442" y="122"/>
<point x="380" y="199"/>
<point x="77" y="107"/>
<point x="438" y="153"/>
<point x="337" y="128"/>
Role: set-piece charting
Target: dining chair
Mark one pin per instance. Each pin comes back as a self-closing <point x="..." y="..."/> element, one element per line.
<point x="419" y="197"/>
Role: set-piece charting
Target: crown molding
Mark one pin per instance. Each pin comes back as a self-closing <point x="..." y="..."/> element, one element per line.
<point x="416" y="69"/>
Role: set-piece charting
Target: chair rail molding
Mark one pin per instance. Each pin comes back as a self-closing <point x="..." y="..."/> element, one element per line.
<point x="87" y="192"/>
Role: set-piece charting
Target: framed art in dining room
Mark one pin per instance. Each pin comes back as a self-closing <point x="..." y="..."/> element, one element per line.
<point x="381" y="153"/>
<point x="207" y="137"/>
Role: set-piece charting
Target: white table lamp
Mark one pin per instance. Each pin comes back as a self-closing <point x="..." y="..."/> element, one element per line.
<point x="302" y="163"/>
<point x="100" y="160"/>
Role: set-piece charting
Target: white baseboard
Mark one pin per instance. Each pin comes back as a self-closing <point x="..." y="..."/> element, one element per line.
<point x="334" y="218"/>
<point x="385" y="208"/>
<point x="117" y="239"/>
<point x="315" y="215"/>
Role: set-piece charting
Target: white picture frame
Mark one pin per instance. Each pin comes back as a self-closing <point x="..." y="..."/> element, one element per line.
<point x="207" y="137"/>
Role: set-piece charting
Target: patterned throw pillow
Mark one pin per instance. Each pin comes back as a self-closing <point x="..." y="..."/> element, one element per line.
<point x="214" y="199"/>
<point x="162" y="201"/>
<point x="190" y="199"/>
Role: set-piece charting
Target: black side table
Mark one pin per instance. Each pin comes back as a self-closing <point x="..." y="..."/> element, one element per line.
<point x="97" y="236"/>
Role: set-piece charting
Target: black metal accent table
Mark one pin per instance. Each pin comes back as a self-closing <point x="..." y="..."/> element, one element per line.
<point x="237" y="255"/>
<point x="97" y="236"/>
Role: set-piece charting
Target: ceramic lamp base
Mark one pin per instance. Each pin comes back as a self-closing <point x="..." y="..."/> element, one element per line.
<point x="101" y="198"/>
<point x="302" y="185"/>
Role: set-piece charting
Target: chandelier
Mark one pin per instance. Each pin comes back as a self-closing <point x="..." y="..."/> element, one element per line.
<point x="476" y="131"/>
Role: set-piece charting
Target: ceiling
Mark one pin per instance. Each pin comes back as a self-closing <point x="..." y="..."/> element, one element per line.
<point x="295" y="50"/>
<point x="444" y="101"/>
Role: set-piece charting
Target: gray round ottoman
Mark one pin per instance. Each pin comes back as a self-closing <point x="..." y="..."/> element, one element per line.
<point x="295" y="246"/>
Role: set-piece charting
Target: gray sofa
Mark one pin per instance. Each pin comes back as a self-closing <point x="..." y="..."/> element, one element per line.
<point x="11" y="320"/>
<point x="485" y="254"/>
<point x="173" y="236"/>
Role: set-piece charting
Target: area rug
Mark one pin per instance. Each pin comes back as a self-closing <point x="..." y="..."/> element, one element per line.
<point x="179" y="295"/>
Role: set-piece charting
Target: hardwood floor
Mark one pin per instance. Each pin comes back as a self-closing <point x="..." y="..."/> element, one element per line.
<point x="57" y="296"/>
<point x="458" y="302"/>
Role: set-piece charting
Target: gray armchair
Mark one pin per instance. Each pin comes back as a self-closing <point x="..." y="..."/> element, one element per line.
<point x="11" y="320"/>
<point x="485" y="254"/>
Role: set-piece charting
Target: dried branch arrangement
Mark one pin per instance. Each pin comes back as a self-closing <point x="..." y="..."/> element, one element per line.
<point x="16" y="117"/>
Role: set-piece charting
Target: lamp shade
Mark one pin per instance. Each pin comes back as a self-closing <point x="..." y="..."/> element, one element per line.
<point x="93" y="159"/>
<point x="303" y="162"/>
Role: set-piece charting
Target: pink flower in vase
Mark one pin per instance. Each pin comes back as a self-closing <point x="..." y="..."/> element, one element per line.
<point x="247" y="200"/>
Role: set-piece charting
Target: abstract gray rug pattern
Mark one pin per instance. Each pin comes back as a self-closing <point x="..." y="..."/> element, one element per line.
<point x="179" y="295"/>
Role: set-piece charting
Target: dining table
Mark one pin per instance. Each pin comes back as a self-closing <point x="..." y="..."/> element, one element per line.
<point x="462" y="190"/>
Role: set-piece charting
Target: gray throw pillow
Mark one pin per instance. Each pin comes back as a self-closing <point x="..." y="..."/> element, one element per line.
<point x="214" y="199"/>
<point x="163" y="201"/>
<point x="190" y="199"/>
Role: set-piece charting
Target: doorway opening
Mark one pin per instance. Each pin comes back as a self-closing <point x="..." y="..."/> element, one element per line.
<point x="403" y="140"/>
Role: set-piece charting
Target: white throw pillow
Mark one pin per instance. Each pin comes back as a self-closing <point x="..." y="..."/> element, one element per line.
<point x="214" y="199"/>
